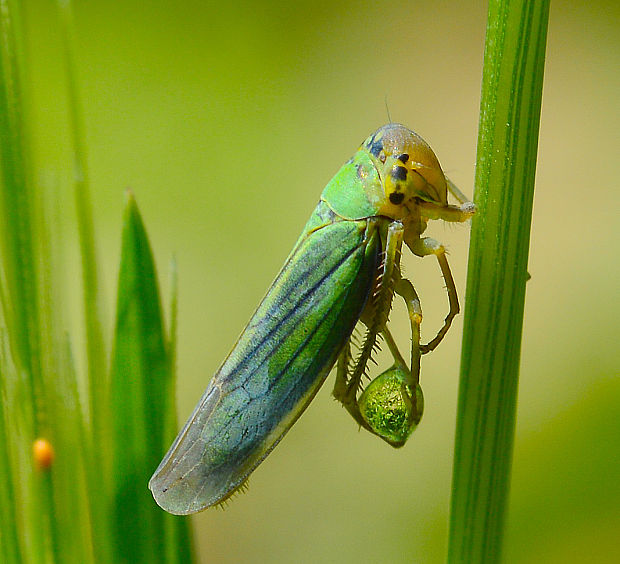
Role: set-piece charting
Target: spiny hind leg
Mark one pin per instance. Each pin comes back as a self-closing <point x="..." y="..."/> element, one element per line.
<point x="375" y="315"/>
<point x="345" y="387"/>
<point x="345" y="391"/>
<point x="428" y="246"/>
<point x="391" y="406"/>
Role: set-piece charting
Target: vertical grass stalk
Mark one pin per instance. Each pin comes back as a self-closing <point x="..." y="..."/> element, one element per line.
<point x="18" y="249"/>
<point x="97" y="443"/>
<point x="20" y="271"/>
<point x="505" y="171"/>
<point x="95" y="345"/>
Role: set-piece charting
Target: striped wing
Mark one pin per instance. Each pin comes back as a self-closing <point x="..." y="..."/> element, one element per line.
<point x="275" y="369"/>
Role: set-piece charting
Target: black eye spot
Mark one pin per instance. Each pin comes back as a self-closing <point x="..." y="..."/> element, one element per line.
<point x="399" y="173"/>
<point x="397" y="198"/>
<point x="403" y="158"/>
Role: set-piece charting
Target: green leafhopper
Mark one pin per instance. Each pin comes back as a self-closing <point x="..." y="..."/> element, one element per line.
<point x="344" y="268"/>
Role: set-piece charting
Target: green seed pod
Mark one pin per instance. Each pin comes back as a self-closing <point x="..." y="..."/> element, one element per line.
<point x="391" y="407"/>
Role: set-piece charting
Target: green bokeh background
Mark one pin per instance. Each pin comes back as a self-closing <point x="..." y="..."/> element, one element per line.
<point x="226" y="120"/>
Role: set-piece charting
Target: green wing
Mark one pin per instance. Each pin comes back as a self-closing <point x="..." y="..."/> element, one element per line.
<point x="277" y="366"/>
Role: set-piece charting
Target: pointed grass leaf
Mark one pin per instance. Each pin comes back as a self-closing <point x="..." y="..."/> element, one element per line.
<point x="138" y="397"/>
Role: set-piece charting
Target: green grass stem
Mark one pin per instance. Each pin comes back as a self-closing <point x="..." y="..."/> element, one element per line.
<point x="506" y="165"/>
<point x="98" y="443"/>
<point x="21" y="278"/>
<point x="20" y="261"/>
<point x="93" y="309"/>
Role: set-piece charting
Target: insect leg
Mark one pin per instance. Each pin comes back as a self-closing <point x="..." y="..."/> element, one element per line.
<point x="405" y="289"/>
<point x="453" y="189"/>
<point x="349" y="377"/>
<point x="392" y="404"/>
<point x="377" y="310"/>
<point x="427" y="246"/>
<point x="344" y="393"/>
<point x="342" y="370"/>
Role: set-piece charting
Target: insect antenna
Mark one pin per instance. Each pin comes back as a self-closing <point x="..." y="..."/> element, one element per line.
<point x="387" y="108"/>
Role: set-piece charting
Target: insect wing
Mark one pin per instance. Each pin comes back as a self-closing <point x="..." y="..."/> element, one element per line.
<point x="275" y="369"/>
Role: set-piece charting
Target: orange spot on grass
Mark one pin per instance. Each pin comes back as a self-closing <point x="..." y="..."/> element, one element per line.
<point x="43" y="453"/>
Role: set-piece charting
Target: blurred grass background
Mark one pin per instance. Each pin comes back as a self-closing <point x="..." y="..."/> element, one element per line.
<point x="226" y="121"/>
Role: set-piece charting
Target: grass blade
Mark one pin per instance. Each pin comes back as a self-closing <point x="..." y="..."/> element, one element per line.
<point x="139" y="383"/>
<point x="97" y="444"/>
<point x="9" y="537"/>
<point x="506" y="163"/>
<point x="20" y="260"/>
<point x="98" y="384"/>
<point x="18" y="249"/>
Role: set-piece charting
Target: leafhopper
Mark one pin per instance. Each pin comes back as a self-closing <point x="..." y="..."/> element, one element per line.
<point x="344" y="268"/>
